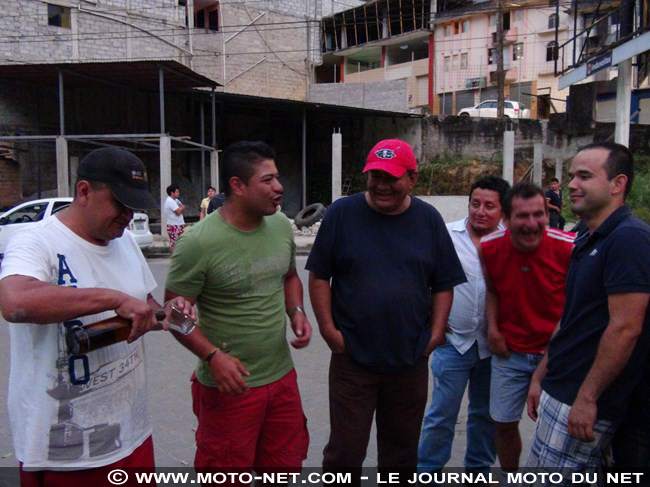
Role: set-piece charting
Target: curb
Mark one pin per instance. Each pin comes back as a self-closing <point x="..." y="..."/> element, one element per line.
<point x="163" y="252"/>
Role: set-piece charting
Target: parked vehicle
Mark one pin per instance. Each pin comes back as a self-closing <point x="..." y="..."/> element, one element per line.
<point x="488" y="108"/>
<point x="36" y="210"/>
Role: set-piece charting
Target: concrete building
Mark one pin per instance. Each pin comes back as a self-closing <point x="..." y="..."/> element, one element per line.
<point x="439" y="57"/>
<point x="167" y="79"/>
<point x="465" y="50"/>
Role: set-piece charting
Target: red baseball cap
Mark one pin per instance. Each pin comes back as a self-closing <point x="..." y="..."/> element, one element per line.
<point x="393" y="156"/>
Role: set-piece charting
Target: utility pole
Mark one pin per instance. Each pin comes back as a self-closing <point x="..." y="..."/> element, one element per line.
<point x="499" y="49"/>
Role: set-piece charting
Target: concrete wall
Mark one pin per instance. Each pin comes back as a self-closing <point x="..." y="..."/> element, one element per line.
<point x="378" y="95"/>
<point x="451" y="208"/>
<point x="479" y="137"/>
<point x="415" y="74"/>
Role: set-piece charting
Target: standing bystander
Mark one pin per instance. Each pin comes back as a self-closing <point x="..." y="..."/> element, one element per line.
<point x="465" y="358"/>
<point x="525" y="268"/>
<point x="239" y="266"/>
<point x="392" y="268"/>
<point x="203" y="210"/>
<point x="553" y="197"/>
<point x="174" y="212"/>
<point x="76" y="417"/>
<point x="599" y="352"/>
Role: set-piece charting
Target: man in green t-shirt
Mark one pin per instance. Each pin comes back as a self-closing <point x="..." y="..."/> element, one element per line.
<point x="238" y="266"/>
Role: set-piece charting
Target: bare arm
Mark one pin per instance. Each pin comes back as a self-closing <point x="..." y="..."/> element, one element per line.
<point x="25" y="299"/>
<point x="496" y="340"/>
<point x="535" y="388"/>
<point x="552" y="207"/>
<point x="626" y="316"/>
<point x="181" y="208"/>
<point x="320" y="294"/>
<point x="226" y="370"/>
<point x="440" y="308"/>
<point x="293" y="298"/>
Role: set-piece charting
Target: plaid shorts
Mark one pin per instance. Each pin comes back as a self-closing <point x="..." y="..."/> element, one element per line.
<point x="554" y="448"/>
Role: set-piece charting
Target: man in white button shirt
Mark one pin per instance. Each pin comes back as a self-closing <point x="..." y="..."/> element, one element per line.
<point x="465" y="357"/>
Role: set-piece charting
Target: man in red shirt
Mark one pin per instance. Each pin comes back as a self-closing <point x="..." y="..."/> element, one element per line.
<point x="525" y="268"/>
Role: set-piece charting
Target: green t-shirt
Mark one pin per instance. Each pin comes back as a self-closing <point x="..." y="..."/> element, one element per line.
<point x="238" y="278"/>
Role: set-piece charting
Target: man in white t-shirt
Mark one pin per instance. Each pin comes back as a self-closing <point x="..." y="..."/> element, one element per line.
<point x="76" y="417"/>
<point x="174" y="211"/>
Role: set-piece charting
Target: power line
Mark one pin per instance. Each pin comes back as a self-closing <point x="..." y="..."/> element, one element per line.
<point x="417" y="17"/>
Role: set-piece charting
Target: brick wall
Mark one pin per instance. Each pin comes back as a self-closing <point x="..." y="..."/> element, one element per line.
<point x="10" y="191"/>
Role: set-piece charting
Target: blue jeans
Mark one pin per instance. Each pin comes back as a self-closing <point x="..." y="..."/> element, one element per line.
<point x="451" y="373"/>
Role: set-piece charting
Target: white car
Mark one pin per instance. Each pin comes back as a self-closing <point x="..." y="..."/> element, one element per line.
<point x="36" y="210"/>
<point x="488" y="108"/>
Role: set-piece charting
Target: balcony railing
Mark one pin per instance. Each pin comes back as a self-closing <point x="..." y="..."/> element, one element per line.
<point x="609" y="30"/>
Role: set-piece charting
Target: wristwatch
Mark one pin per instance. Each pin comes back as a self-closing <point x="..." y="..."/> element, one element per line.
<point x="297" y="309"/>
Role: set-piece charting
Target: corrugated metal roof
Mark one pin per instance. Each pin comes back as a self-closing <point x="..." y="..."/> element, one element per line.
<point x="136" y="74"/>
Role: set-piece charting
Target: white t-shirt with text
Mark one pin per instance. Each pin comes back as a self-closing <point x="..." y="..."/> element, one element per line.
<point x="75" y="411"/>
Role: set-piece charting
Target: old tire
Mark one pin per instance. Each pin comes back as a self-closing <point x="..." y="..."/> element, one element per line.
<point x="310" y="215"/>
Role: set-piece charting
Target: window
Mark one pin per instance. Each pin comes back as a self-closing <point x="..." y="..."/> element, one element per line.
<point x="58" y="16"/>
<point x="25" y="214"/>
<point x="507" y="104"/>
<point x="493" y="19"/>
<point x="463" y="61"/>
<point x="59" y="205"/>
<point x="552" y="21"/>
<point x="454" y="63"/>
<point x="447" y="30"/>
<point x="492" y="56"/>
<point x="207" y="18"/>
<point x="447" y="64"/>
<point x="551" y="51"/>
<point x="517" y="51"/>
<point x="506" y="21"/>
<point x="464" y="27"/>
<point x="456" y="26"/>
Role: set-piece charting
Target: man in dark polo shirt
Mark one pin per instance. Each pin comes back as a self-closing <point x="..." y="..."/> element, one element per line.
<point x="392" y="267"/>
<point x="596" y="358"/>
<point x="553" y="197"/>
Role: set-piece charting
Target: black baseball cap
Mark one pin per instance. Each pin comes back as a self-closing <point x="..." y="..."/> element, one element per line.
<point x="123" y="172"/>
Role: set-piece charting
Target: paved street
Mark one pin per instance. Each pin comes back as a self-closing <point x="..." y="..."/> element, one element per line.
<point x="169" y="368"/>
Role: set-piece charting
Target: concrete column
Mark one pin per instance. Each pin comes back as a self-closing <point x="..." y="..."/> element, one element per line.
<point x="509" y="156"/>
<point x="559" y="162"/>
<point x="538" y="158"/>
<point x="165" y="177"/>
<point x="304" y="158"/>
<point x="559" y="167"/>
<point x="337" y="159"/>
<point x="74" y="167"/>
<point x="74" y="30"/>
<point x="623" y="102"/>
<point x="62" y="171"/>
<point x="214" y="169"/>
